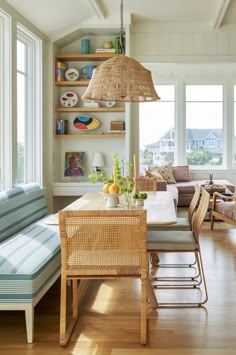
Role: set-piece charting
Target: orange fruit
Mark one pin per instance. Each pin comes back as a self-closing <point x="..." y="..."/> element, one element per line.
<point x="106" y="187"/>
<point x="114" y="189"/>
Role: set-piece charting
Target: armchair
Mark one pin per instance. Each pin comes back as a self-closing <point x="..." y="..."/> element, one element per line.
<point x="224" y="208"/>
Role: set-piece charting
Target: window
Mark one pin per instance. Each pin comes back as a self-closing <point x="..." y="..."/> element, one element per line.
<point x="204" y="125"/>
<point x="5" y="102"/>
<point x="28" y="108"/>
<point x="156" y="127"/>
<point x="22" y="84"/>
<point x="20" y="105"/>
<point x="234" y="146"/>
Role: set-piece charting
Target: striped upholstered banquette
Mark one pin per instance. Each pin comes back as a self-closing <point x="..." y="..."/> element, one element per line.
<point x="29" y="250"/>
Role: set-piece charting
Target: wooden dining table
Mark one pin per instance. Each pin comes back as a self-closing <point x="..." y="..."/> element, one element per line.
<point x="160" y="211"/>
<point x="159" y="205"/>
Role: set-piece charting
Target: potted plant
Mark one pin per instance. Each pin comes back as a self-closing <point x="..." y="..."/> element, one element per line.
<point x="139" y="198"/>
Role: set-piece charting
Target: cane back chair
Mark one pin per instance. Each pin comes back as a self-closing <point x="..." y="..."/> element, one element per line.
<point x="101" y="245"/>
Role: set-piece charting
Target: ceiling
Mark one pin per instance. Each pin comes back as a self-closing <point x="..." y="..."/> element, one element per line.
<point x="54" y="17"/>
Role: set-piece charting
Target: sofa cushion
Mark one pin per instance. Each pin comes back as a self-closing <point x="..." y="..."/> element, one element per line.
<point x="28" y="260"/>
<point x="164" y="170"/>
<point x="19" y="207"/>
<point x="228" y="209"/>
<point x="181" y="173"/>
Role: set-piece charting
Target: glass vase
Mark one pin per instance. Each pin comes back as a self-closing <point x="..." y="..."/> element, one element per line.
<point x="127" y="200"/>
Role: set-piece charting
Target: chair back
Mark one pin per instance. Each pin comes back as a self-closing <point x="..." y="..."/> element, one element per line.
<point x="103" y="244"/>
<point x="194" y="203"/>
<point x="145" y="183"/>
<point x="200" y="213"/>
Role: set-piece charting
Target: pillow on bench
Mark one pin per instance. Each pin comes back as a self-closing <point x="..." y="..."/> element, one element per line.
<point x="19" y="207"/>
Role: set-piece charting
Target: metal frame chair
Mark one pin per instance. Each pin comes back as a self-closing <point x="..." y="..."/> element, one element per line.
<point x="183" y="242"/>
<point x="183" y="224"/>
<point x="101" y="245"/>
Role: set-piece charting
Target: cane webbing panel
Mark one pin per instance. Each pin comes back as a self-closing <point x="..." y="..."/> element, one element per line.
<point x="103" y="242"/>
<point x="227" y="209"/>
<point x="146" y="184"/>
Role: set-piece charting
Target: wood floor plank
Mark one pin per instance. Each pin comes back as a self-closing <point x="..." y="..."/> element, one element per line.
<point x="109" y="322"/>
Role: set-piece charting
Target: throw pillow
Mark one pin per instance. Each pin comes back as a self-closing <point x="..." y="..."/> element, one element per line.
<point x="181" y="173"/>
<point x="165" y="171"/>
<point x="154" y="174"/>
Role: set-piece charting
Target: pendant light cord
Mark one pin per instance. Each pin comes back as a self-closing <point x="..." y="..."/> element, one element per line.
<point x="122" y="49"/>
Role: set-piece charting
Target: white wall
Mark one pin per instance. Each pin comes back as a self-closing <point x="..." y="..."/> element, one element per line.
<point x="152" y="42"/>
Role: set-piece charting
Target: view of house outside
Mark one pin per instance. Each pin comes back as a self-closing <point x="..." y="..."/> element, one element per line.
<point x="156" y="127"/>
<point x="204" y="126"/>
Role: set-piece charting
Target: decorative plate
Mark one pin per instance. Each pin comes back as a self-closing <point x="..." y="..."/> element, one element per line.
<point x="72" y="74"/>
<point x="69" y="99"/>
<point x="109" y="104"/>
<point x="86" y="123"/>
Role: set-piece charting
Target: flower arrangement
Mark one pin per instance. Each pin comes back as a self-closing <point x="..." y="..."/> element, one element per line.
<point x="117" y="183"/>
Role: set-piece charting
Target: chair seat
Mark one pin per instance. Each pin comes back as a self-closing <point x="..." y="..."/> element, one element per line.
<point x="182" y="224"/>
<point x="174" y="240"/>
<point x="226" y="209"/>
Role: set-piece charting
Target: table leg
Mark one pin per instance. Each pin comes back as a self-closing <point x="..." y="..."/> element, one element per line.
<point x="151" y="295"/>
<point x="154" y="258"/>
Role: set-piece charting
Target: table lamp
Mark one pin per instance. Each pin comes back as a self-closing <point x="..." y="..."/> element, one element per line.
<point x="98" y="161"/>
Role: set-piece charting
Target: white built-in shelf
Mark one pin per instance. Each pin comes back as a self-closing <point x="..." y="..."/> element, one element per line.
<point x="90" y="109"/>
<point x="71" y="188"/>
<point x="85" y="57"/>
<point x="83" y="82"/>
<point x="87" y="136"/>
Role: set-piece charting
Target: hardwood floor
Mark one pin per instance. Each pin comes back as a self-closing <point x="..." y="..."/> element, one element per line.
<point x="109" y="315"/>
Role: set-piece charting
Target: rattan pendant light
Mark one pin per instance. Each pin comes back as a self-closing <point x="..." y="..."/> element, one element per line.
<point x="121" y="79"/>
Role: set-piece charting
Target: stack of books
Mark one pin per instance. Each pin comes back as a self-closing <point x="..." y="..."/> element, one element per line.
<point x="107" y="51"/>
<point x="117" y="125"/>
<point x="61" y="68"/>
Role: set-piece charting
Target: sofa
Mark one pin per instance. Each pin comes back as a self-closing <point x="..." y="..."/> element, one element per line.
<point x="177" y="180"/>
<point x="30" y="256"/>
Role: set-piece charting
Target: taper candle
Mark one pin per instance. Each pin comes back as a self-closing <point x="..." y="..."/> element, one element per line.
<point x="114" y="174"/>
<point x="135" y="166"/>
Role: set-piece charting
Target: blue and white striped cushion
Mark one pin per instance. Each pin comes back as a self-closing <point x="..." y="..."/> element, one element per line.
<point x="19" y="207"/>
<point x="28" y="260"/>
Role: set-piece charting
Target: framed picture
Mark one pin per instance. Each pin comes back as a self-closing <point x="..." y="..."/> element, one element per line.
<point x="74" y="164"/>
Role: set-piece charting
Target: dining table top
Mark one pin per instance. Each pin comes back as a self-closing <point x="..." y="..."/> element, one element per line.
<point x="159" y="205"/>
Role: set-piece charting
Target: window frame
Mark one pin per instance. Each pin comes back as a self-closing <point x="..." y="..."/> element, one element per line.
<point x="224" y="124"/>
<point x="166" y="83"/>
<point x="33" y="119"/>
<point x="5" y="100"/>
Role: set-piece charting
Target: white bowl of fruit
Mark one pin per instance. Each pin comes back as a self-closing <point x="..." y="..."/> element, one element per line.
<point x="111" y="191"/>
<point x="139" y="198"/>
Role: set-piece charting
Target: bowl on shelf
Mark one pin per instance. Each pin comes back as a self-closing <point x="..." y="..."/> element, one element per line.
<point x="109" y="104"/>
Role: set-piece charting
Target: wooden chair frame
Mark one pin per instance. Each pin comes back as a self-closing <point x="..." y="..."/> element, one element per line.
<point x="215" y="214"/>
<point x="107" y="244"/>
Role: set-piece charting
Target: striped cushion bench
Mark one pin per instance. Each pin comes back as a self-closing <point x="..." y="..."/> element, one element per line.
<point x="30" y="256"/>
